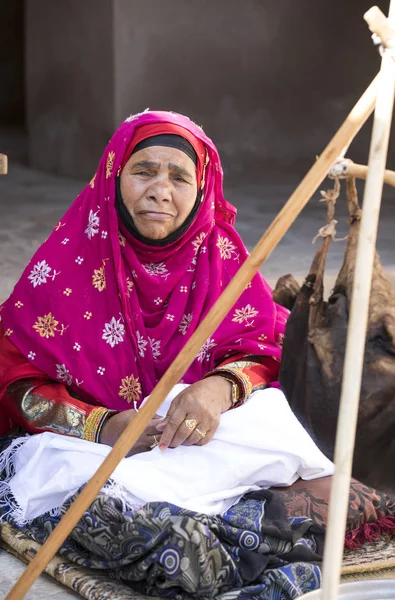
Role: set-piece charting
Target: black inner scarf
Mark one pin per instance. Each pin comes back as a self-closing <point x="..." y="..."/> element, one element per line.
<point x="171" y="141"/>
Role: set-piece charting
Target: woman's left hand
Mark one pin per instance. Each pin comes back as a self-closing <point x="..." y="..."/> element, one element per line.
<point x="201" y="403"/>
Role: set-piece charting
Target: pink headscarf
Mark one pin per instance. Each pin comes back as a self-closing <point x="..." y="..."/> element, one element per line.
<point x="106" y="314"/>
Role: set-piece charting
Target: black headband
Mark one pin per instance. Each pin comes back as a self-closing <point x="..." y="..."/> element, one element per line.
<point x="170" y="140"/>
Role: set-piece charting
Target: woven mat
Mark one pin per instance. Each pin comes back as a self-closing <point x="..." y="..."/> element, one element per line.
<point x="372" y="561"/>
<point x="374" y="557"/>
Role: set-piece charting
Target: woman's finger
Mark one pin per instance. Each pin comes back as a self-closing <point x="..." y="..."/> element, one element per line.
<point x="197" y="435"/>
<point x="151" y="428"/>
<point x="176" y="430"/>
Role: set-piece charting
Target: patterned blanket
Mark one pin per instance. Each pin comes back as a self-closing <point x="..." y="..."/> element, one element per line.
<point x="253" y="551"/>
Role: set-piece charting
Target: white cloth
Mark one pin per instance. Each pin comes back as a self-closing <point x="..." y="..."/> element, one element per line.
<point x="259" y="444"/>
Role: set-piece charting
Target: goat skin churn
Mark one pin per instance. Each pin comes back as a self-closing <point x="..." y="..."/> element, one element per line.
<point x="313" y="357"/>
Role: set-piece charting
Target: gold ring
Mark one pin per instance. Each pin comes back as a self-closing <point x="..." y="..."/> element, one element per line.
<point x="191" y="424"/>
<point x="155" y="444"/>
<point x="201" y="433"/>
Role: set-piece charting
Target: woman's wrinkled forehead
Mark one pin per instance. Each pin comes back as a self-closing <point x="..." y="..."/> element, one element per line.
<point x="143" y="132"/>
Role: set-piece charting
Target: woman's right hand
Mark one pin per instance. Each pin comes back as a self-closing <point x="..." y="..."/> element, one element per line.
<point x="115" y="425"/>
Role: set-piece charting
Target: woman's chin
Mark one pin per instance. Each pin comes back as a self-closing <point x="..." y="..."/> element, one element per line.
<point x="155" y="233"/>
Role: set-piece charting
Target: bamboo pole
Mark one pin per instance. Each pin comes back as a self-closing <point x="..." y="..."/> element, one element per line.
<point x="353" y="123"/>
<point x="357" y="326"/>
<point x="345" y="167"/>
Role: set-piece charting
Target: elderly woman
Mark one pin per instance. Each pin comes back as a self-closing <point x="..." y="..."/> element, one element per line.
<point x="106" y="304"/>
<point x="125" y="278"/>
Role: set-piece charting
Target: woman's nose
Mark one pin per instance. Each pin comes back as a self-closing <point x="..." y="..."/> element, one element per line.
<point x="160" y="190"/>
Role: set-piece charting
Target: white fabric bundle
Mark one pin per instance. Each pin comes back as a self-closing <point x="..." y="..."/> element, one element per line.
<point x="259" y="444"/>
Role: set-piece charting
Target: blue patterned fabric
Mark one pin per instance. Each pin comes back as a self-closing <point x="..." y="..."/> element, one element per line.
<point x="253" y="551"/>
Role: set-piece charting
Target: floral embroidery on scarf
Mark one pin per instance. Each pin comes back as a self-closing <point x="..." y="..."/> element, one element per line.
<point x="8" y="332"/>
<point x="156" y="269"/>
<point x="40" y="273"/>
<point x="129" y="285"/>
<point x="121" y="239"/>
<point x="46" y="326"/>
<point x="92" y="181"/>
<point x="155" y="347"/>
<point x="226" y="248"/>
<point x="18" y="304"/>
<point x="93" y="224"/>
<point x="99" y="277"/>
<point x="198" y="241"/>
<point x="185" y="323"/>
<point x="280" y="340"/>
<point x="110" y="164"/>
<point x="130" y="388"/>
<point x="205" y="350"/>
<point x="192" y="266"/>
<point x="114" y="332"/>
<point x="63" y="374"/>
<point x="141" y="343"/>
<point x="244" y="314"/>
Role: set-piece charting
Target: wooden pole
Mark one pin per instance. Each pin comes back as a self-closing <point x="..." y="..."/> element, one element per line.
<point x="357" y="327"/>
<point x="353" y="123"/>
<point x="347" y="168"/>
<point x="3" y="164"/>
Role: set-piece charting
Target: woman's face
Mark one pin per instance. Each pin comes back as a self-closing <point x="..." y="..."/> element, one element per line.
<point x="159" y="188"/>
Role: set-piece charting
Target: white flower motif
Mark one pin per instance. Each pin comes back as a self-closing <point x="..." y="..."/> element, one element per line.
<point x="155" y="347"/>
<point x="31" y="355"/>
<point x="170" y="317"/>
<point x="226" y="248"/>
<point x="64" y="242"/>
<point x="79" y="260"/>
<point x="141" y="343"/>
<point x="104" y="234"/>
<point x="198" y="241"/>
<point x="203" y="249"/>
<point x="244" y="314"/>
<point x="77" y="347"/>
<point x="156" y="269"/>
<point x="101" y="370"/>
<point x="185" y="323"/>
<point x="183" y="289"/>
<point x="40" y="273"/>
<point x="194" y="285"/>
<point x="158" y="301"/>
<point x="205" y="350"/>
<point x="93" y="225"/>
<point x="192" y="266"/>
<point x="113" y="332"/>
<point x="64" y="374"/>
